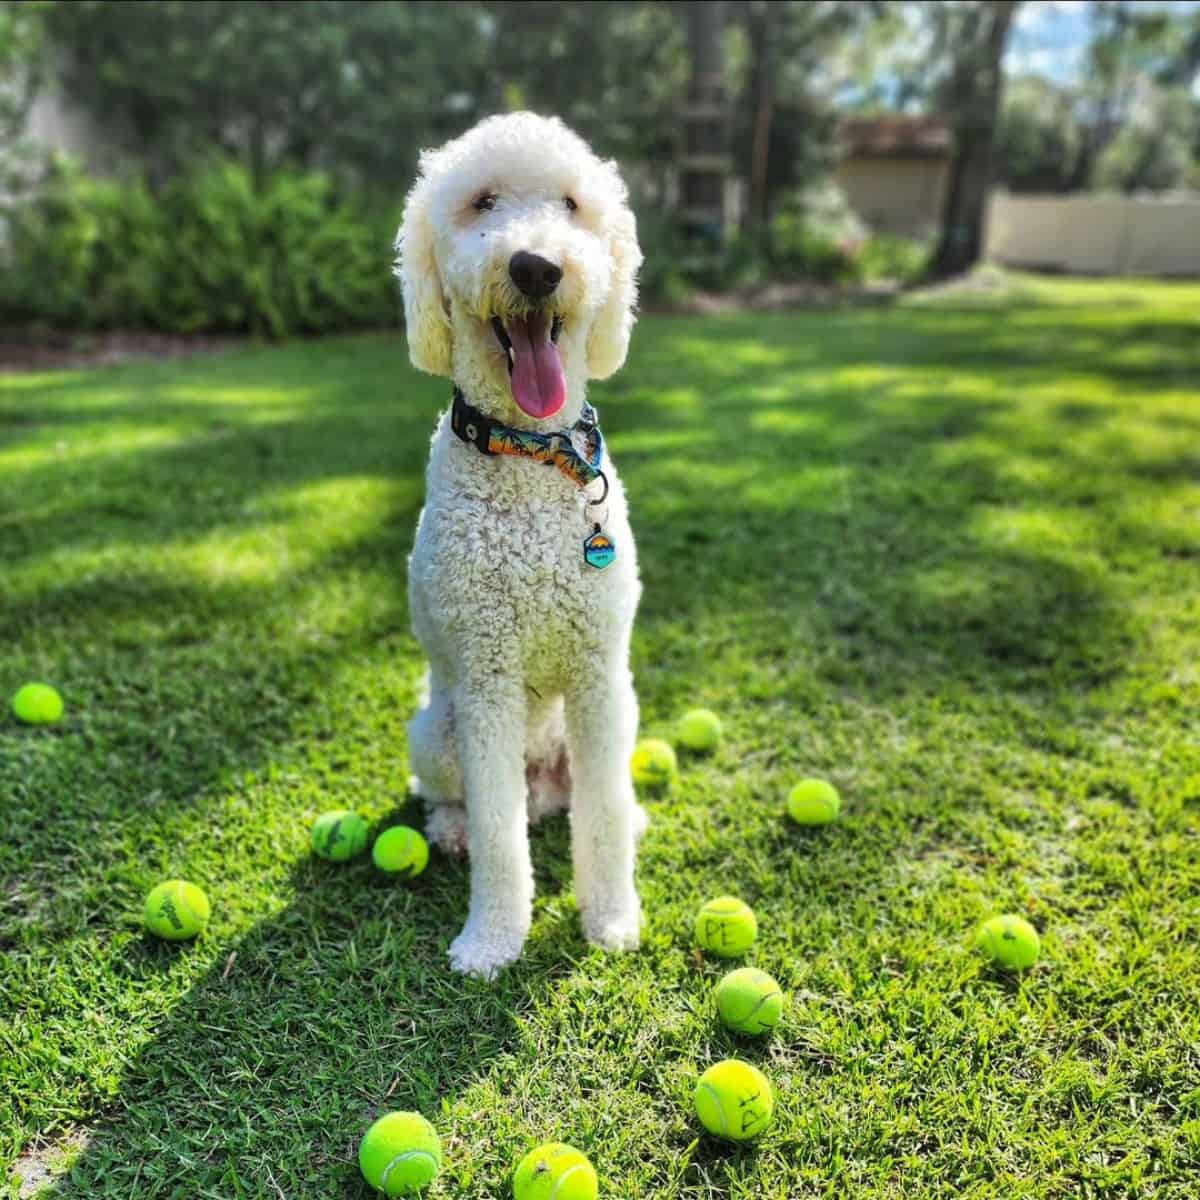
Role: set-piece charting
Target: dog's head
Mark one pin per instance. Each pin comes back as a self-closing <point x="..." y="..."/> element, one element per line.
<point x="518" y="251"/>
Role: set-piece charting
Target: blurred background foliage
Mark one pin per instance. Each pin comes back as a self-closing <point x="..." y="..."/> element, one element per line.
<point x="255" y="155"/>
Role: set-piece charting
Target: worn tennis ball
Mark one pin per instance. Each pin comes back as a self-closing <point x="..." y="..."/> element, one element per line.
<point x="699" y="730"/>
<point x="653" y="763"/>
<point x="176" y="910"/>
<point x="1009" y="941"/>
<point x="400" y="1154"/>
<point x="37" y="704"/>
<point x="339" y="835"/>
<point x="401" y="851"/>
<point x="555" y="1171"/>
<point x="734" y="1101"/>
<point x="726" y="926"/>
<point x="813" y="802"/>
<point x="749" y="1001"/>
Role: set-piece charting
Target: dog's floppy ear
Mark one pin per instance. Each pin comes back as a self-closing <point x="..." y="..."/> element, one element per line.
<point x="427" y="322"/>
<point x="608" y="339"/>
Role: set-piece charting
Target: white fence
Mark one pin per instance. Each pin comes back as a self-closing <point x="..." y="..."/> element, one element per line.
<point x="1096" y="235"/>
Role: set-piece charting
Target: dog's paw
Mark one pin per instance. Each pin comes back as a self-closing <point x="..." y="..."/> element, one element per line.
<point x="446" y="828"/>
<point x="485" y="953"/>
<point x="614" y="926"/>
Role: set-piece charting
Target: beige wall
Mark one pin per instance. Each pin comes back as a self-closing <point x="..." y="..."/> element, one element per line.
<point x="1096" y="235"/>
<point x="895" y="195"/>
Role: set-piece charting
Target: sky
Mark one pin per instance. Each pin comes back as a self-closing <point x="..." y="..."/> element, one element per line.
<point x="1049" y="36"/>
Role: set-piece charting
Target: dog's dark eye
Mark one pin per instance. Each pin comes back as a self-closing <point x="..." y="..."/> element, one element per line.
<point x="570" y="203"/>
<point x="485" y="202"/>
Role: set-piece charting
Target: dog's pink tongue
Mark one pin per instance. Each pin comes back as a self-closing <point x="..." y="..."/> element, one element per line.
<point x="538" y="383"/>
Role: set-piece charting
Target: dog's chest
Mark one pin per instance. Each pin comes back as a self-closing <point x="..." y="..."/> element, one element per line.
<point x="499" y="568"/>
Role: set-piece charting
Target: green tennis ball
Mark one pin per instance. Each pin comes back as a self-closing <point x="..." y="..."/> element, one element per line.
<point x="400" y="1154"/>
<point x="401" y="851"/>
<point x="555" y="1171"/>
<point x="176" y="910"/>
<point x="37" y="704"/>
<point x="813" y="802"/>
<point x="699" y="730"/>
<point x="653" y="763"/>
<point x="749" y="1001"/>
<point x="339" y="835"/>
<point x="734" y="1101"/>
<point x="726" y="926"/>
<point x="1009" y="941"/>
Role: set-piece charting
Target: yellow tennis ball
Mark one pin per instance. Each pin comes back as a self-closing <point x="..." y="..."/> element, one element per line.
<point x="400" y="1154"/>
<point x="813" y="802"/>
<point x="699" y="730"/>
<point x="734" y="1101"/>
<point x="1009" y="941"/>
<point x="37" y="704"/>
<point x="653" y="763"/>
<point x="176" y="910"/>
<point x="749" y="1001"/>
<point x="401" y="851"/>
<point x="339" y="835"/>
<point x="555" y="1171"/>
<point x="726" y="926"/>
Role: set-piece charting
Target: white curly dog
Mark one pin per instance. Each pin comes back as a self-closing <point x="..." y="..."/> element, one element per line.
<point x="518" y="258"/>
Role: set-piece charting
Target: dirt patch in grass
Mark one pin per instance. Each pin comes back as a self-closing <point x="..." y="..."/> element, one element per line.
<point x="40" y="350"/>
<point x="42" y="1161"/>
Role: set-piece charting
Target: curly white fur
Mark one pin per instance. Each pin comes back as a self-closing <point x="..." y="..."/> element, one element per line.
<point x="530" y="702"/>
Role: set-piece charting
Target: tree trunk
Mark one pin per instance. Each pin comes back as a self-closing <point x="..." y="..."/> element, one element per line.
<point x="704" y="163"/>
<point x="760" y="21"/>
<point x="977" y="82"/>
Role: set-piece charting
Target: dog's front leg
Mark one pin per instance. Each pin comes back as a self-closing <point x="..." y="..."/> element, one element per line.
<point x="490" y="727"/>
<point x="605" y="819"/>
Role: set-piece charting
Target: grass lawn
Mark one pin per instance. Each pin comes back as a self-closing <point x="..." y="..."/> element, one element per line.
<point x="946" y="554"/>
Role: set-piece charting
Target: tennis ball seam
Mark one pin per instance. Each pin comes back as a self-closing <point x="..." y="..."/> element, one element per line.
<point x="181" y="900"/>
<point x="563" y="1179"/>
<point x="750" y="1015"/>
<point x="712" y="1091"/>
<point x="401" y="1158"/>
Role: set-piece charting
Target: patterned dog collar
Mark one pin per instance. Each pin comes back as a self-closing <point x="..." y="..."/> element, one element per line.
<point x="577" y="452"/>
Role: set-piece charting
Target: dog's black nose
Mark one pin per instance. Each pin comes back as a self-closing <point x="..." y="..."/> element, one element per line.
<point x="536" y="277"/>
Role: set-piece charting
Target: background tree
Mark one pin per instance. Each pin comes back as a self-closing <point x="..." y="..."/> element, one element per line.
<point x="20" y="73"/>
<point x="972" y="37"/>
<point x="786" y="117"/>
<point x="342" y="84"/>
<point x="1039" y="136"/>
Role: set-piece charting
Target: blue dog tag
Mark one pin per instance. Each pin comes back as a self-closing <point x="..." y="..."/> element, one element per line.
<point x="599" y="550"/>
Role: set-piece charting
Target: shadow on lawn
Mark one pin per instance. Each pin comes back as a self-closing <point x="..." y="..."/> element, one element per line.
<point x="796" y="489"/>
<point x="264" y="1076"/>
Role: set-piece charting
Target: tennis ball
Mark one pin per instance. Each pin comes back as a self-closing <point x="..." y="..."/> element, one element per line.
<point x="813" y="802"/>
<point x="749" y="1001"/>
<point x="1009" y="941"/>
<point x="401" y="851"/>
<point x="400" y="1154"/>
<point x="726" y="926"/>
<point x="176" y="910"/>
<point x="733" y="1100"/>
<point x="37" y="704"/>
<point x="339" y="835"/>
<point x="699" y="729"/>
<point x="555" y="1172"/>
<point x="653" y="763"/>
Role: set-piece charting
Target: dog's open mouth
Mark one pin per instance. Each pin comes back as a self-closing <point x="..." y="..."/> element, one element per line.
<point x="534" y="366"/>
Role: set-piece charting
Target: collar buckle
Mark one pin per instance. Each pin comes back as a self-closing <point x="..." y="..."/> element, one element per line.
<point x="470" y="425"/>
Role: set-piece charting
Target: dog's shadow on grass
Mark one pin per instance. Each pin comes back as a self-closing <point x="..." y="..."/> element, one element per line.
<point x="337" y="1007"/>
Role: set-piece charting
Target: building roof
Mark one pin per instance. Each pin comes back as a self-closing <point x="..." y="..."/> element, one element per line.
<point x="896" y="136"/>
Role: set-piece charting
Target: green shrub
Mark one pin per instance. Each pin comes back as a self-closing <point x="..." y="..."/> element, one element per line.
<point x="211" y="251"/>
<point x="803" y="250"/>
<point x="885" y="256"/>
